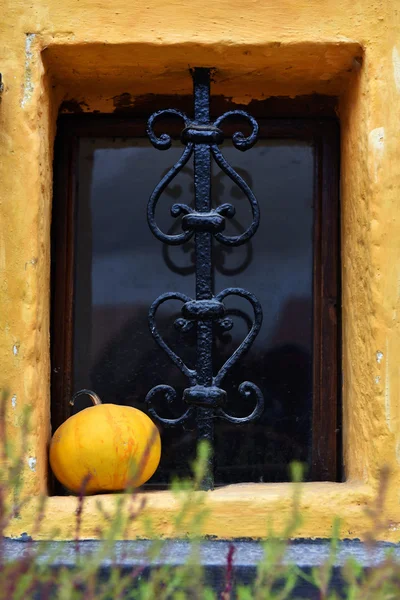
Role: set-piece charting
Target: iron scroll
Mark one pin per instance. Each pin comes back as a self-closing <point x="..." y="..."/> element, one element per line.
<point x="205" y="397"/>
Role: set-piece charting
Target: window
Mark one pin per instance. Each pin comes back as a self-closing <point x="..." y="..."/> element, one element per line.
<point x="108" y="269"/>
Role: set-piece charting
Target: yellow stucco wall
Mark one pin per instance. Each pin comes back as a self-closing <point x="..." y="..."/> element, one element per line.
<point x="93" y="50"/>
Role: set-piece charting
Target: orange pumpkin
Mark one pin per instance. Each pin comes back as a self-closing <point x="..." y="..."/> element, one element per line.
<point x="107" y="446"/>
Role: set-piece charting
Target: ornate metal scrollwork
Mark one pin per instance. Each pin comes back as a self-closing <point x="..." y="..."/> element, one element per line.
<point x="205" y="397"/>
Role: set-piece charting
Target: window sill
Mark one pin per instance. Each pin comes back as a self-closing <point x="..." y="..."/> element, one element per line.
<point x="235" y="511"/>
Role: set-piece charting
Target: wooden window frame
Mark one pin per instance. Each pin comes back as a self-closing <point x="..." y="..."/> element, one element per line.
<point x="326" y="464"/>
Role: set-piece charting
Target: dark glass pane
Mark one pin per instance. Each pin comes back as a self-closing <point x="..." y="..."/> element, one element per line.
<point x="120" y="268"/>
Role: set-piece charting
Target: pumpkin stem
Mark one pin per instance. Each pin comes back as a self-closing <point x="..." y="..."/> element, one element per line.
<point x="92" y="395"/>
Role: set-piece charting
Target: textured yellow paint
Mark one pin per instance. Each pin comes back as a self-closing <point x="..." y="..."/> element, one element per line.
<point x="245" y="510"/>
<point x="94" y="73"/>
<point x="94" y="50"/>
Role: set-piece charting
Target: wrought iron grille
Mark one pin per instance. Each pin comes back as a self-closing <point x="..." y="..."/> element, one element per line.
<point x="205" y="396"/>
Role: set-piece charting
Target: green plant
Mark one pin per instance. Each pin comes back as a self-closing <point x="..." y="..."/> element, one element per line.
<point x="34" y="575"/>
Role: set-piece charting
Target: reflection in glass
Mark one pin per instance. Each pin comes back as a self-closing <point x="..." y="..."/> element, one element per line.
<point x="120" y="269"/>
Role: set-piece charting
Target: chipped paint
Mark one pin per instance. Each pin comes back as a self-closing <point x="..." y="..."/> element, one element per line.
<point x="15" y="349"/>
<point x="28" y="80"/>
<point x="73" y="106"/>
<point x="396" y="67"/>
<point x="123" y="102"/>
<point x="32" y="463"/>
<point x="377" y="379"/>
<point x="377" y="138"/>
<point x="377" y="145"/>
<point x="32" y="262"/>
<point x="379" y="357"/>
<point x="14" y="401"/>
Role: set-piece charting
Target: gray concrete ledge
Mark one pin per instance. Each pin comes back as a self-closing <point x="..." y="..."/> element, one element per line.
<point x="304" y="553"/>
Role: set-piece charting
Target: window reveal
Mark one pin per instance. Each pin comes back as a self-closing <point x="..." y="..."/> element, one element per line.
<point x="119" y="270"/>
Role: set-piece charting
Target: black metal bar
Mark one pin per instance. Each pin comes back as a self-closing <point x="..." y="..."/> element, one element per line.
<point x="204" y="396"/>
<point x="204" y="270"/>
